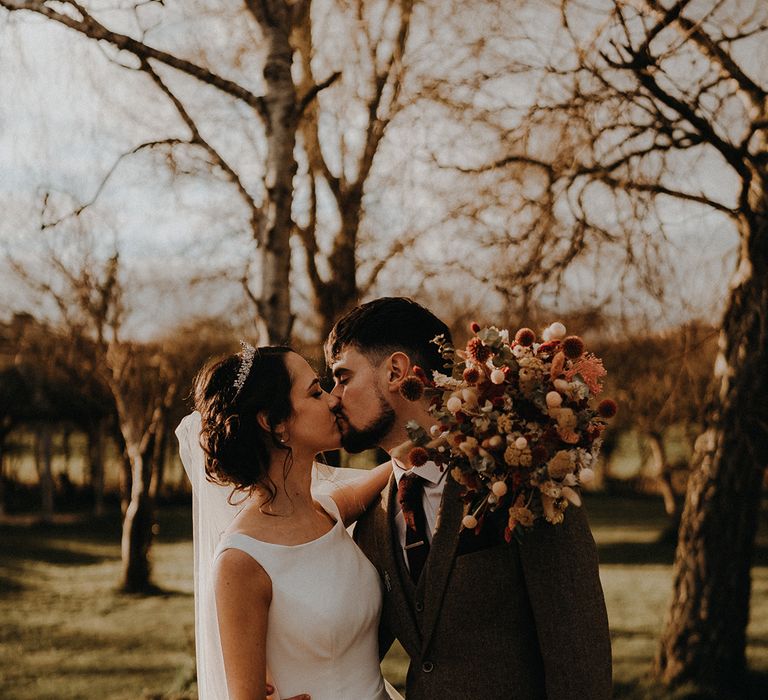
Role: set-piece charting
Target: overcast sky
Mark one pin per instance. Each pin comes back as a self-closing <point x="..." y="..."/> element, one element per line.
<point x="67" y="113"/>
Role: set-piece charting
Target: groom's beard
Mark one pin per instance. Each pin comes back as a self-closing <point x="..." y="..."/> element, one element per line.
<point x="359" y="439"/>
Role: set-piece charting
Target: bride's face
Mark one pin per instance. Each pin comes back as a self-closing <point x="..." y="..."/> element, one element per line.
<point x="312" y="425"/>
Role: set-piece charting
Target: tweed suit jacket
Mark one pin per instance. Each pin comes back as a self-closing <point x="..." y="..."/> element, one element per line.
<point x="491" y="619"/>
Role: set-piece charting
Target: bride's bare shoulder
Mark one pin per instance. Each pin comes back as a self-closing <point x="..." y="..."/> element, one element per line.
<point x="238" y="574"/>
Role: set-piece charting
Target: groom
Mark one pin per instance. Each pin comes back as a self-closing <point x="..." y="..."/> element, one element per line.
<point x="479" y="618"/>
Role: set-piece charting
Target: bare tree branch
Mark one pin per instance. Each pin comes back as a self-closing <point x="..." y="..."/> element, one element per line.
<point x="86" y="24"/>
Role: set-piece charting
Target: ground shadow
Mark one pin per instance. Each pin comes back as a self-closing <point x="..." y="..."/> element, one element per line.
<point x="27" y="549"/>
<point x="756" y="688"/>
<point x="9" y="586"/>
<point x="152" y="591"/>
<point x="655" y="553"/>
<point x="636" y="553"/>
<point x="174" y="524"/>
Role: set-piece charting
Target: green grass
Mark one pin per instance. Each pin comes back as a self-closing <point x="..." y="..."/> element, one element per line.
<point x="66" y="633"/>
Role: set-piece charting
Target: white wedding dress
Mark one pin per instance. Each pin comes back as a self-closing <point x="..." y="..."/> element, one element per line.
<point x="322" y="634"/>
<point x="324" y="615"/>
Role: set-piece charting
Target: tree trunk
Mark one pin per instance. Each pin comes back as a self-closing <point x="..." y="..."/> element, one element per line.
<point x="66" y="447"/>
<point x="43" y="460"/>
<point x="95" y="438"/>
<point x="126" y="479"/>
<point x="138" y="523"/>
<point x="2" y="474"/>
<point x="280" y="98"/>
<point x="341" y="293"/>
<point x="663" y="471"/>
<point x="158" y="460"/>
<point x="704" y="638"/>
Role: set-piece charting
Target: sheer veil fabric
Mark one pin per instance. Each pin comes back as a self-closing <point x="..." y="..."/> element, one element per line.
<point x="211" y="515"/>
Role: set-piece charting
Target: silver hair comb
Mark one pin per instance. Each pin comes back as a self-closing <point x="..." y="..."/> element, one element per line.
<point x="247" y="353"/>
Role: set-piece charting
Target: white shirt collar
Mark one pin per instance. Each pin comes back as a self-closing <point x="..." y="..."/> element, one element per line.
<point x="429" y="472"/>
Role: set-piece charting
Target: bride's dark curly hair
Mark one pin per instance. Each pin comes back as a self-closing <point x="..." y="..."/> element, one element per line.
<point x="237" y="449"/>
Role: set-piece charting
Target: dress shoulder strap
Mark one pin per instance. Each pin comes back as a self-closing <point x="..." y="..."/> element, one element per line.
<point x="237" y="540"/>
<point x="329" y="505"/>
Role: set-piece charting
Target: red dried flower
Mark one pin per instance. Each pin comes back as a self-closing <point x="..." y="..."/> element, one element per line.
<point x="471" y="375"/>
<point x="418" y="456"/>
<point x="478" y="350"/>
<point x="474" y="326"/>
<point x="525" y="337"/>
<point x="594" y="432"/>
<point x="421" y="374"/>
<point x="573" y="347"/>
<point x="607" y="408"/>
<point x="456" y="439"/>
<point x="412" y="388"/>
<point x="548" y="348"/>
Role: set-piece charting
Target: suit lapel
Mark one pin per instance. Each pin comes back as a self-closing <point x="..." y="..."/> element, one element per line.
<point x="441" y="555"/>
<point x="388" y="544"/>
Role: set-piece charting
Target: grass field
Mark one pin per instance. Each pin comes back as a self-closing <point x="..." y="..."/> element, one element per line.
<point x="65" y="633"/>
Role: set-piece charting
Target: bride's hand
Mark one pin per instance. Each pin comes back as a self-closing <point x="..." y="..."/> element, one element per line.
<point x="354" y="497"/>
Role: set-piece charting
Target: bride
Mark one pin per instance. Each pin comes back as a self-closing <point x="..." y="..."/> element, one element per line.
<point x="283" y="596"/>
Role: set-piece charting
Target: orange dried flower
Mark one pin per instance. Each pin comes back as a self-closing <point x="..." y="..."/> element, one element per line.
<point x="471" y="375"/>
<point x="590" y="369"/>
<point x="418" y="456"/>
<point x="607" y="408"/>
<point x="573" y="347"/>
<point x="525" y="337"/>
<point x="412" y="388"/>
<point x="558" y="365"/>
<point x="478" y="350"/>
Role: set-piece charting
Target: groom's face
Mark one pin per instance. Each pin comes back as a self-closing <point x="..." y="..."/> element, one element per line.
<point x="363" y="414"/>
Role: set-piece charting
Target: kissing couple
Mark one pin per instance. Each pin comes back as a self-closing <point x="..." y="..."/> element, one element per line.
<point x="288" y="604"/>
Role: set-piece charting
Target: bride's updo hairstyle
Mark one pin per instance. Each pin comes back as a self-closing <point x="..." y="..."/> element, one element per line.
<point x="237" y="449"/>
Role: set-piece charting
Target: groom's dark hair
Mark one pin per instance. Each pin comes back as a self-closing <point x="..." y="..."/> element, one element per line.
<point x="386" y="325"/>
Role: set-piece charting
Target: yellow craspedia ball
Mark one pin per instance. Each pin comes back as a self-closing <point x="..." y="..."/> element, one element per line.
<point x="498" y="376"/>
<point x="453" y="404"/>
<point x="469" y="522"/>
<point x="499" y="488"/>
<point x="554" y="400"/>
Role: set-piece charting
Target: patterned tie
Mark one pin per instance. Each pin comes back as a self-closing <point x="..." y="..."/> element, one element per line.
<point x="409" y="496"/>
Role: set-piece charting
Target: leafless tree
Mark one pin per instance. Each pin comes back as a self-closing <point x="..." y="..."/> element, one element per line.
<point x="335" y="138"/>
<point x="78" y="274"/>
<point x="627" y="115"/>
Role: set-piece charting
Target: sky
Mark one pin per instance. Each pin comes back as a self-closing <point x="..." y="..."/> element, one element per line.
<point x="68" y="111"/>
